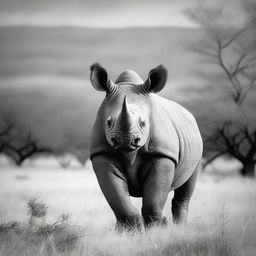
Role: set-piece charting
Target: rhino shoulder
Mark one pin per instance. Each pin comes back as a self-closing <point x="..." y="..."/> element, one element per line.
<point x="163" y="139"/>
<point x="174" y="131"/>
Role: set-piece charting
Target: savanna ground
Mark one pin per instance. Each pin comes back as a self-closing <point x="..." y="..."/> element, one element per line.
<point x="222" y="216"/>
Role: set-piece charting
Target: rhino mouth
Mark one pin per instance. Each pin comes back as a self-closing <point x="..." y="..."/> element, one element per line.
<point x="125" y="143"/>
<point x="126" y="148"/>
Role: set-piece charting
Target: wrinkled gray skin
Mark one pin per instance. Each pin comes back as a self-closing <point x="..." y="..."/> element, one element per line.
<point x="145" y="146"/>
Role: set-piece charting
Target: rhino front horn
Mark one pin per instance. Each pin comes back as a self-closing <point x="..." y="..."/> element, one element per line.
<point x="125" y="120"/>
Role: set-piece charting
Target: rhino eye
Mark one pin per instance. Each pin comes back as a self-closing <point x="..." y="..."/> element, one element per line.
<point x="109" y="121"/>
<point x="142" y="123"/>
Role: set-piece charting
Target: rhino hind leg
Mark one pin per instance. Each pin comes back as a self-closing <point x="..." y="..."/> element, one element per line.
<point x="181" y="199"/>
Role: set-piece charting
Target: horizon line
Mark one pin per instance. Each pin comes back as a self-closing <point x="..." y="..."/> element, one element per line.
<point x="47" y="25"/>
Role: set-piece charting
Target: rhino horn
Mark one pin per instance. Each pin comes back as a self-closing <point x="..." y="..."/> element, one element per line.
<point x="125" y="120"/>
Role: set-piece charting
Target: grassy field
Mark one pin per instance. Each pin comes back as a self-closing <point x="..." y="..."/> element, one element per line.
<point x="222" y="217"/>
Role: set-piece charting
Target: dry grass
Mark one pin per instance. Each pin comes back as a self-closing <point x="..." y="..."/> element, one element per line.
<point x="194" y="239"/>
<point x="221" y="222"/>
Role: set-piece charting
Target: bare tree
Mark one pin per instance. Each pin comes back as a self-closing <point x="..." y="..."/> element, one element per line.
<point x="4" y="135"/>
<point x="239" y="142"/>
<point x="19" y="145"/>
<point x="22" y="151"/>
<point x="233" y="49"/>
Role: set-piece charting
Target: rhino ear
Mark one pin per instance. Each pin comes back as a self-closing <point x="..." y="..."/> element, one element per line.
<point x="99" y="78"/>
<point x="156" y="79"/>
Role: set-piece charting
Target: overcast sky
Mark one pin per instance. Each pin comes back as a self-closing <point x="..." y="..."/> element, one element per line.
<point x="95" y="13"/>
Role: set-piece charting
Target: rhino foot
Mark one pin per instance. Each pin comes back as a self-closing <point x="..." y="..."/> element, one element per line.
<point x="156" y="223"/>
<point x="131" y="224"/>
<point x="179" y="213"/>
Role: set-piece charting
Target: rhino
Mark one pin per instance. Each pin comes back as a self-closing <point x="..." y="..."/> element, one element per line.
<point x="143" y="145"/>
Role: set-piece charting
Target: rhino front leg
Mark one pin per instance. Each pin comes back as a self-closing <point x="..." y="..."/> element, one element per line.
<point x="115" y="189"/>
<point x="157" y="185"/>
<point x="180" y="201"/>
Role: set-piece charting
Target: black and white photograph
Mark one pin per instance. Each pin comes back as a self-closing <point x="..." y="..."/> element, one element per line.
<point x="127" y="128"/>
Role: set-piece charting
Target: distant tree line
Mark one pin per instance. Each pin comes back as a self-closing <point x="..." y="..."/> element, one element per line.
<point x="20" y="144"/>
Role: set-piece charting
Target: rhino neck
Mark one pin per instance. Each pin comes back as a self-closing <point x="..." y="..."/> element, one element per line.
<point x="128" y="157"/>
<point x="129" y="76"/>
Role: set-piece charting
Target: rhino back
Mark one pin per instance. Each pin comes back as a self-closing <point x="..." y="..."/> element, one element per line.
<point x="176" y="134"/>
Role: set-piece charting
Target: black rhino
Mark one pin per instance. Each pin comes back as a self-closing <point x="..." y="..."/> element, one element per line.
<point x="143" y="145"/>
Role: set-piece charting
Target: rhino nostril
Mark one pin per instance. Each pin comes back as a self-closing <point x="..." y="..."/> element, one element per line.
<point x="114" y="141"/>
<point x="136" y="141"/>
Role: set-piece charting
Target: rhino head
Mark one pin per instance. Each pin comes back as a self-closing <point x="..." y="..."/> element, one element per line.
<point x="126" y="109"/>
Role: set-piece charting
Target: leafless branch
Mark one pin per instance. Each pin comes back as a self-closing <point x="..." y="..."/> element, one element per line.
<point x="214" y="157"/>
<point x="19" y="151"/>
<point x="234" y="51"/>
<point x="233" y="38"/>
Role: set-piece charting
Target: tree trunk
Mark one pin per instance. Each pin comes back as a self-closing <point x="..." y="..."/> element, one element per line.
<point x="248" y="169"/>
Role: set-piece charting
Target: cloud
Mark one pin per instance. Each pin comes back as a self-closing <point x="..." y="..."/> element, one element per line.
<point x="98" y="13"/>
